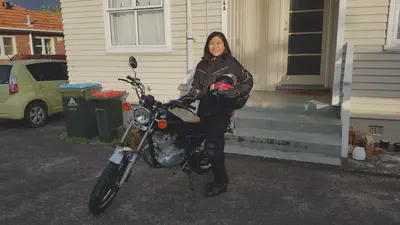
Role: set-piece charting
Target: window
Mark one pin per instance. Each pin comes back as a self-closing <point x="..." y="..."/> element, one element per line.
<point x="43" y="46"/>
<point x="8" y="46"/>
<point x="138" y="25"/>
<point x="393" y="31"/>
<point x="48" y="71"/>
<point x="5" y="74"/>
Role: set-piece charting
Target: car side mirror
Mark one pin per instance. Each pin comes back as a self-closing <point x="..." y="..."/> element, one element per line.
<point x="133" y="62"/>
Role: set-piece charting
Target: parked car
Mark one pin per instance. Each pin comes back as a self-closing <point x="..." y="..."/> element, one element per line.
<point x="29" y="89"/>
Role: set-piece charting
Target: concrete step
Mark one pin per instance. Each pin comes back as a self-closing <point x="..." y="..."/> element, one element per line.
<point x="273" y="102"/>
<point x="286" y="141"/>
<point x="287" y="121"/>
<point x="295" y="108"/>
<point x="277" y="154"/>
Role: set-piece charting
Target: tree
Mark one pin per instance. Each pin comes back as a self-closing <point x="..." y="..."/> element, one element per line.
<point x="57" y="9"/>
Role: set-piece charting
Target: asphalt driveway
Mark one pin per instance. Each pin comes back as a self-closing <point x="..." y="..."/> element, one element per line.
<point x="44" y="180"/>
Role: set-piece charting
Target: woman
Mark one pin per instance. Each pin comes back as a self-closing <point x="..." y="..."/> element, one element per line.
<point x="216" y="106"/>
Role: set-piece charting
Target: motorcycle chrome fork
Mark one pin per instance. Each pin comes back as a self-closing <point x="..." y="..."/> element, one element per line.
<point x="135" y="154"/>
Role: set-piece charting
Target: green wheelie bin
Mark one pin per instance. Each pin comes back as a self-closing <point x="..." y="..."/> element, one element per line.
<point x="78" y="110"/>
<point x="108" y="112"/>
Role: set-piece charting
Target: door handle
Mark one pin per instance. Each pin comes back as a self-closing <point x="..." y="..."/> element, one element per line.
<point x="41" y="86"/>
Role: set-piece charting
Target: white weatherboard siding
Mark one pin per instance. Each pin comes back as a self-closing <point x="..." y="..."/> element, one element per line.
<point x="163" y="72"/>
<point x="376" y="75"/>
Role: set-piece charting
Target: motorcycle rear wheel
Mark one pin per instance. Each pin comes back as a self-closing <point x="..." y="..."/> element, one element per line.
<point x="107" y="186"/>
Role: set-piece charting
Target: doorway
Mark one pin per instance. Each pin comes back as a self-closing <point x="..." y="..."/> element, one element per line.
<point x="282" y="42"/>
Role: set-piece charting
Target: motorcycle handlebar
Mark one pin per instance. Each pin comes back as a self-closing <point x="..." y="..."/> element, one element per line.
<point x="175" y="103"/>
<point x="130" y="78"/>
<point x="127" y="81"/>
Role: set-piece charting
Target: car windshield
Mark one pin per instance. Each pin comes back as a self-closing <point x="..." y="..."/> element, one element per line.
<point x="4" y="74"/>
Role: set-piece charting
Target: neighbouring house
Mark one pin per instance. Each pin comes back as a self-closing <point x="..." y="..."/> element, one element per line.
<point x="319" y="65"/>
<point x="27" y="32"/>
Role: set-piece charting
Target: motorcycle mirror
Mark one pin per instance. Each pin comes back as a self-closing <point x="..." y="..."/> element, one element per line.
<point x="133" y="62"/>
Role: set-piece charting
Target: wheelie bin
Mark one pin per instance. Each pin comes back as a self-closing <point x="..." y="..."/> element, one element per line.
<point x="108" y="112"/>
<point x="78" y="110"/>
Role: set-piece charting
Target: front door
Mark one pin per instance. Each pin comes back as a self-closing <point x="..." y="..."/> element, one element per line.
<point x="305" y="38"/>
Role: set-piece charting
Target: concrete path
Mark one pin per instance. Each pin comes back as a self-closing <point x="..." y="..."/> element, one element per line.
<point x="44" y="180"/>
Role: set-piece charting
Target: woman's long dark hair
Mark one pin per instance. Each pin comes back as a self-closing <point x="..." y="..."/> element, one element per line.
<point x="207" y="54"/>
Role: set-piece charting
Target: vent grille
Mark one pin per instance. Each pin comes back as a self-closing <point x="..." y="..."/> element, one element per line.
<point x="375" y="129"/>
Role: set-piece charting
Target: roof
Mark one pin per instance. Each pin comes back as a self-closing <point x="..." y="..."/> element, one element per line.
<point x="17" y="17"/>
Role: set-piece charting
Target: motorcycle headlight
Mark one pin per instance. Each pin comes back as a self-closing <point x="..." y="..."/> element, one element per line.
<point x="142" y="116"/>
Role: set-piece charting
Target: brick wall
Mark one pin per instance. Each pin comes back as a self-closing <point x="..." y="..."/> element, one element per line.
<point x="59" y="45"/>
<point x="23" y="46"/>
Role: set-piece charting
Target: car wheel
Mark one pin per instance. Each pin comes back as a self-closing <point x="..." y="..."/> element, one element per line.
<point x="36" y="115"/>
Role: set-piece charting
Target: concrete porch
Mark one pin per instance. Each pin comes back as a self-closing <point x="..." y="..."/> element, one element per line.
<point x="288" y="125"/>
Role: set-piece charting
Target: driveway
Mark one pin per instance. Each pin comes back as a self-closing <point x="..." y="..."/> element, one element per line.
<point x="44" y="180"/>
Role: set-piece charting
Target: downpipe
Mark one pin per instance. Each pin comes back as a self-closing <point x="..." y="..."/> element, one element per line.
<point x="189" y="35"/>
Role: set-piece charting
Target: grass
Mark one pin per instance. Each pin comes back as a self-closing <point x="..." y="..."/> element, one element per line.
<point x="77" y="140"/>
<point x="131" y="141"/>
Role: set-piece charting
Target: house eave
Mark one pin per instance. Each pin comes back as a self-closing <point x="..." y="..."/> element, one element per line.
<point x="31" y="30"/>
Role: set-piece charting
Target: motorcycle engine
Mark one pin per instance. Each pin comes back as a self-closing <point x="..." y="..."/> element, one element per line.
<point x="167" y="154"/>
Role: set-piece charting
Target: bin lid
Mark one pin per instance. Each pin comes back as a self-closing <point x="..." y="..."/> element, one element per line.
<point x="81" y="86"/>
<point x="108" y="94"/>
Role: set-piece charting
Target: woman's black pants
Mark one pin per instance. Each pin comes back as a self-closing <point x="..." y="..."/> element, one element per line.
<point x="215" y="127"/>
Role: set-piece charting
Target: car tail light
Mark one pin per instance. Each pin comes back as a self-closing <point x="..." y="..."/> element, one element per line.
<point x="13" y="84"/>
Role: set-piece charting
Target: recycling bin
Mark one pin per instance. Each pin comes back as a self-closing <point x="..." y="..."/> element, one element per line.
<point x="108" y="113"/>
<point x="78" y="110"/>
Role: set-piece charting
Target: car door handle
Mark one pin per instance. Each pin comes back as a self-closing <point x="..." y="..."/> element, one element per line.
<point x="41" y="86"/>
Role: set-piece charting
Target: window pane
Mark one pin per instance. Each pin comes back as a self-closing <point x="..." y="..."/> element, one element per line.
<point x="151" y="27"/>
<point x="37" y="41"/>
<point x="148" y="2"/>
<point x="39" y="71"/>
<point x="5" y="74"/>
<point x="7" y="41"/>
<point x="9" y="50"/>
<point x="38" y="50"/>
<point x="48" y="48"/>
<point x="8" y="46"/>
<point x="48" y="51"/>
<point x="119" y="3"/>
<point x="306" y="22"/>
<point x="123" y="30"/>
<point x="304" y="65"/>
<point x="305" y="44"/>
<point x="296" y="5"/>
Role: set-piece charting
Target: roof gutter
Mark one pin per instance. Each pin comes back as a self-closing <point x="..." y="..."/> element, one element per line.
<point x="31" y="30"/>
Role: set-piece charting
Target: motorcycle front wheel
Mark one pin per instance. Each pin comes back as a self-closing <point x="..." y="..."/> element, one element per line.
<point x="107" y="186"/>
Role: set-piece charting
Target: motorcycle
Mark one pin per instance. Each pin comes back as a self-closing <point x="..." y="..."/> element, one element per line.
<point x="166" y="141"/>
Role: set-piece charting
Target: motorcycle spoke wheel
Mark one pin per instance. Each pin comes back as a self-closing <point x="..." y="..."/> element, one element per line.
<point x="106" y="187"/>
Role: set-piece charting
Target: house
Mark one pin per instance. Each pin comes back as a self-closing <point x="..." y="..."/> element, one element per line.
<point x="26" y="32"/>
<point x="311" y="60"/>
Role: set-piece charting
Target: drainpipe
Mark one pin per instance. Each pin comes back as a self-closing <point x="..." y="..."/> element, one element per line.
<point x="31" y="43"/>
<point x="206" y="18"/>
<point x="189" y="35"/>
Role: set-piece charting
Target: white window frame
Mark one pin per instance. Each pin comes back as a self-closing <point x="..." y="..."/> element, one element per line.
<point x="392" y="43"/>
<point x="4" y="56"/>
<point x="166" y="48"/>
<point x="43" y="44"/>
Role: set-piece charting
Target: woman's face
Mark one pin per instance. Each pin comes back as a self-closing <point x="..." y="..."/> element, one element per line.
<point x="216" y="46"/>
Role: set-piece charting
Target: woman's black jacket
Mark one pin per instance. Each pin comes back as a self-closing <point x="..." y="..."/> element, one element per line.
<point x="207" y="72"/>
